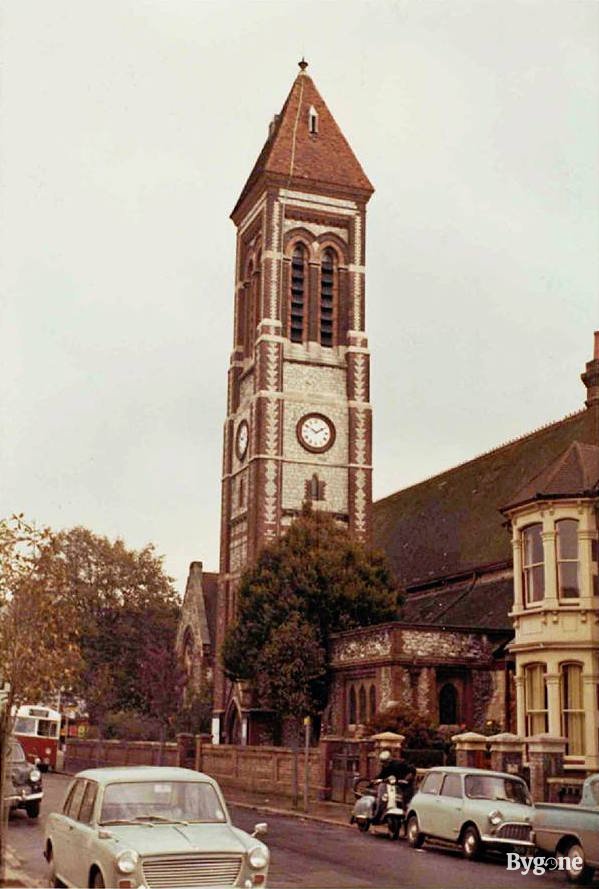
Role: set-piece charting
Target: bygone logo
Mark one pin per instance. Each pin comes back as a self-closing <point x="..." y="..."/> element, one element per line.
<point x="540" y="864"/>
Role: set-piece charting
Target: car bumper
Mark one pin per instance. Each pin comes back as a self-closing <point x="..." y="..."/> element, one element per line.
<point x="17" y="800"/>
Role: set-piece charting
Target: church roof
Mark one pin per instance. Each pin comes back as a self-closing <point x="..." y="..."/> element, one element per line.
<point x="574" y="473"/>
<point x="451" y="523"/>
<point x="295" y="156"/>
<point x="475" y="603"/>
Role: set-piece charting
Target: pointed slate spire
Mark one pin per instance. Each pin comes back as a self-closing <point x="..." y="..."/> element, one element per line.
<point x="295" y="154"/>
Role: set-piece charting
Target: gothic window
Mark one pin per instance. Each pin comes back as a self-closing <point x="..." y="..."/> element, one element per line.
<point x="298" y="294"/>
<point x="567" y="558"/>
<point x="248" y="310"/>
<point x="352" y="706"/>
<point x="314" y="488"/>
<point x="256" y="288"/>
<point x="313" y="120"/>
<point x="572" y="708"/>
<point x="241" y="497"/>
<point x="533" y="564"/>
<point x="328" y="293"/>
<point x="535" y="699"/>
<point x="362" y="712"/>
<point x="448" y="705"/>
<point x="372" y="701"/>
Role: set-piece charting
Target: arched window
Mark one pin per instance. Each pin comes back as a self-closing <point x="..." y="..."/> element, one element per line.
<point x="313" y="120"/>
<point x="248" y="309"/>
<point x="352" y="706"/>
<point x="362" y="712"/>
<point x="448" y="705"/>
<point x="328" y="292"/>
<point x="568" y="579"/>
<point x="533" y="563"/>
<point x="572" y="708"/>
<point x="535" y="699"/>
<point x="256" y="294"/>
<point x="298" y="294"/>
<point x="372" y="701"/>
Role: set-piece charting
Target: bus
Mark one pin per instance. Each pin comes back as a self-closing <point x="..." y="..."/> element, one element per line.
<point x="37" y="728"/>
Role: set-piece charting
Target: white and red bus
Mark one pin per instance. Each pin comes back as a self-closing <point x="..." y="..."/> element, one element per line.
<point x="38" y="730"/>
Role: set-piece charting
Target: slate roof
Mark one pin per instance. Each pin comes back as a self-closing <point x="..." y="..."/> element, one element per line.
<point x="574" y="473"/>
<point x="451" y="523"/>
<point x="478" y="604"/>
<point x="292" y="154"/>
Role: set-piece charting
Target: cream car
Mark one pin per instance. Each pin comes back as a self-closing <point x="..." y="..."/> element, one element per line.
<point x="152" y="827"/>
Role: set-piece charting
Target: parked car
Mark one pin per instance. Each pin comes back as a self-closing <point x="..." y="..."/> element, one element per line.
<point x="24" y="782"/>
<point x="149" y="826"/>
<point x="475" y="808"/>
<point x="572" y="832"/>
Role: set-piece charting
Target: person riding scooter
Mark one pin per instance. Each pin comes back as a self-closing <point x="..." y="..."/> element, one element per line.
<point x="401" y="770"/>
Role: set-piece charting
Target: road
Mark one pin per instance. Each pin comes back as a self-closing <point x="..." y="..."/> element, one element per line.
<point x="308" y="854"/>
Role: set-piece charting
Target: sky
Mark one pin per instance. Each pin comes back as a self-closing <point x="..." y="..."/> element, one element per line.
<point x="127" y="130"/>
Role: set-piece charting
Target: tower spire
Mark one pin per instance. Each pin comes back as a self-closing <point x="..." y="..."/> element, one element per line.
<point x="302" y="64"/>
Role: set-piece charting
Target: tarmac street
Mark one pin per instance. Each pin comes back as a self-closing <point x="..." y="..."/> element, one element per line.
<point x="310" y="854"/>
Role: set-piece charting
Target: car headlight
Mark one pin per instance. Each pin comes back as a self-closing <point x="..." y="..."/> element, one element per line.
<point x="495" y="817"/>
<point x="126" y="862"/>
<point x="35" y="775"/>
<point x="258" y="857"/>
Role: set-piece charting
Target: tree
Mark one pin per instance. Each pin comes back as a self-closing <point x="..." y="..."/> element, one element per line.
<point x="124" y="601"/>
<point x="38" y="632"/>
<point x="162" y="682"/>
<point x="313" y="581"/>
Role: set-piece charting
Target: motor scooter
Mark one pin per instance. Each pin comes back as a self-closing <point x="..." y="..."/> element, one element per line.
<point x="374" y="808"/>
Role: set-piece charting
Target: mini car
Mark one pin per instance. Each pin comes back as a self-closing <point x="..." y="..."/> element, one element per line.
<point x="474" y="808"/>
<point x="24" y="782"/>
<point x="152" y="827"/>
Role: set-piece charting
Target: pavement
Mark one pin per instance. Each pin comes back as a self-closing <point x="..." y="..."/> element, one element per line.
<point x="320" y="811"/>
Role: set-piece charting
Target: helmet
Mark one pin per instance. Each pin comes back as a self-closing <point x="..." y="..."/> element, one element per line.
<point x="384" y="756"/>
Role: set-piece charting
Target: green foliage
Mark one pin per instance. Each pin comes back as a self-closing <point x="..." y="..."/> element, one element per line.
<point x="125" y="603"/>
<point x="418" y="730"/>
<point x="313" y="581"/>
<point x="129" y="725"/>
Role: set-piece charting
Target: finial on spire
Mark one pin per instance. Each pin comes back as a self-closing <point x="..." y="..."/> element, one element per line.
<point x="303" y="64"/>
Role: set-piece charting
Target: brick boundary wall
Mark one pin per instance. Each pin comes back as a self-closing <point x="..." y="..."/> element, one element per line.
<point x="89" y="754"/>
<point x="263" y="769"/>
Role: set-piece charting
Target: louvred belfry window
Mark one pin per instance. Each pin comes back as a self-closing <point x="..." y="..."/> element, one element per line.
<point x="328" y="286"/>
<point x="298" y="295"/>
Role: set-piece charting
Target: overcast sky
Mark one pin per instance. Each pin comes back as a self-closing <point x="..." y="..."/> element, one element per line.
<point x="127" y="132"/>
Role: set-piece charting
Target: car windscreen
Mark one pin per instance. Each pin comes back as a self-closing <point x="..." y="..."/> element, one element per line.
<point x="161" y="801"/>
<point x="16" y="753"/>
<point x="495" y="787"/>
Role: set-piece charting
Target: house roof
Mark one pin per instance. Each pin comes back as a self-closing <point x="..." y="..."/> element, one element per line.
<point x="574" y="472"/>
<point x="451" y="523"/>
<point x="294" y="155"/>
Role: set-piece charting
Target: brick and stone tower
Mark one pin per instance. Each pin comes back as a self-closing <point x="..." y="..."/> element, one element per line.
<point x="298" y="420"/>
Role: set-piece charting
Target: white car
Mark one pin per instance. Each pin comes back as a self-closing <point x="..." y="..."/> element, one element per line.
<point x="149" y="827"/>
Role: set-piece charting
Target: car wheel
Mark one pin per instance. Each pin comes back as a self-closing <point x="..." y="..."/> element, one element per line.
<point x="583" y="874"/>
<point x="33" y="808"/>
<point x="415" y="837"/>
<point x="471" y="844"/>
<point x="98" y="881"/>
<point x="53" y="879"/>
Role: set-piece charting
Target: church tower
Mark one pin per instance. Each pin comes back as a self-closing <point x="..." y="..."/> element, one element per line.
<point x="299" y="419"/>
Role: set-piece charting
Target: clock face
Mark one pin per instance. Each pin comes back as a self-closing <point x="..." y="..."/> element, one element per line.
<point x="243" y="436"/>
<point x="316" y="432"/>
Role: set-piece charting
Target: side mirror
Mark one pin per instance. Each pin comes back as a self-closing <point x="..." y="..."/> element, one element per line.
<point x="260" y="830"/>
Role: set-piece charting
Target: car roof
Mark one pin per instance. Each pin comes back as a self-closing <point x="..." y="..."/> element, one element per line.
<point x="464" y="770"/>
<point x="128" y="774"/>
